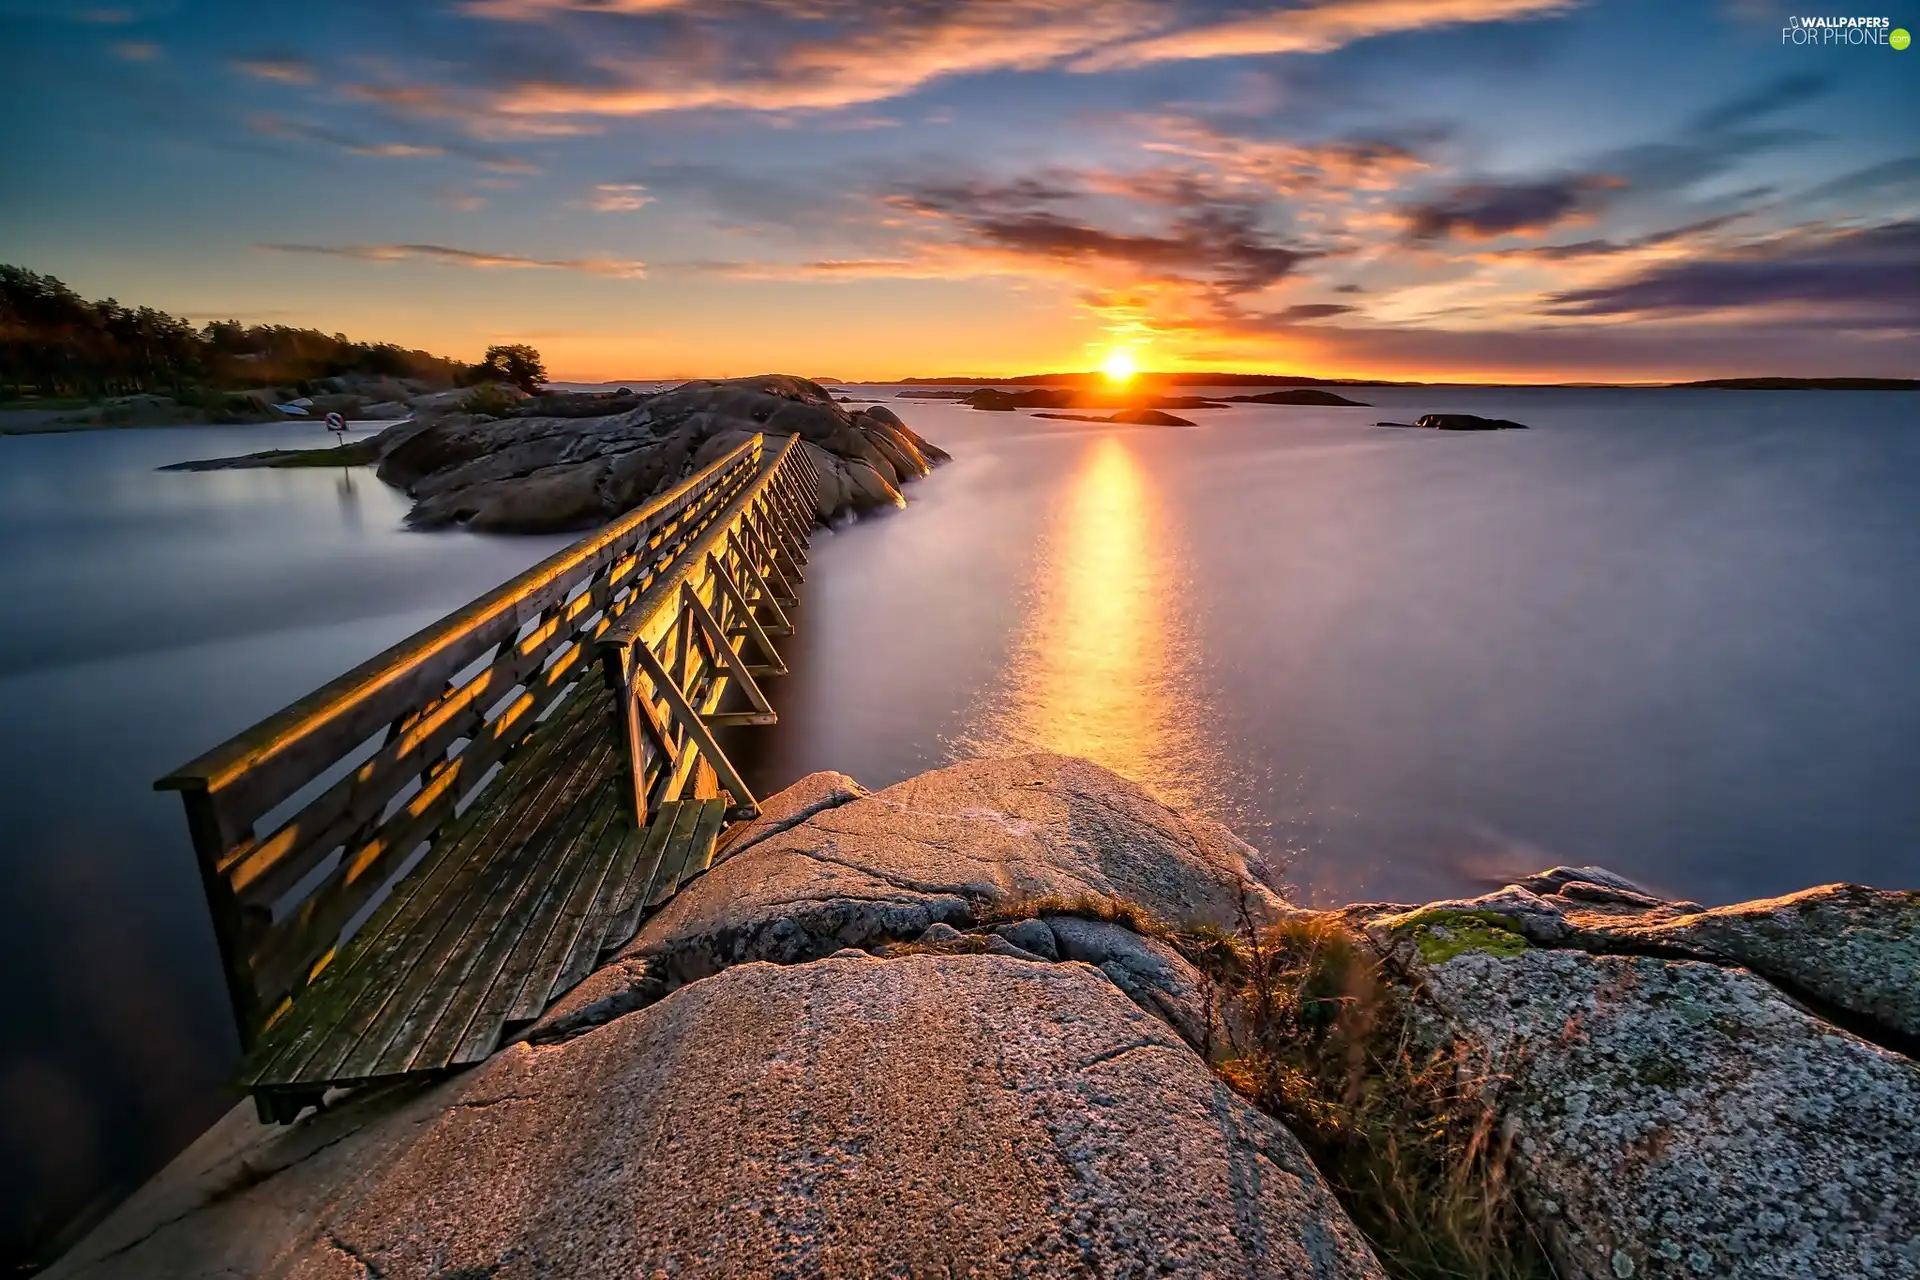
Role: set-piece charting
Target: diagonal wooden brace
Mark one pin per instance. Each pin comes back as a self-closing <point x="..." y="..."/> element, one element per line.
<point x="744" y="805"/>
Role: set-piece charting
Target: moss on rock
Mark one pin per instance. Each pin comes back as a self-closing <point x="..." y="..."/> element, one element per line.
<point x="1442" y="935"/>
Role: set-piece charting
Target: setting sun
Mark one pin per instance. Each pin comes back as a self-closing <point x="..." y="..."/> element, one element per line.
<point x="1119" y="365"/>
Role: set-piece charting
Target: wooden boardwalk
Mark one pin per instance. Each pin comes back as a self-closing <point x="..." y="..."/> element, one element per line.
<point x="437" y="883"/>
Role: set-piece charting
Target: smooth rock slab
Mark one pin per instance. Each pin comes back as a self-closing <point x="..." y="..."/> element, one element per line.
<point x="928" y="1116"/>
<point x="1680" y="1119"/>
<point x="883" y="867"/>
<point x="1854" y="948"/>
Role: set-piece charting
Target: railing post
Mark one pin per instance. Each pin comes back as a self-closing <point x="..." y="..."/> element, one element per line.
<point x="230" y="931"/>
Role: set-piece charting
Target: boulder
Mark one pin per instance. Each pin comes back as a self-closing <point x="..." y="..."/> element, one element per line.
<point x="870" y="488"/>
<point x="1153" y="975"/>
<point x="385" y="411"/>
<point x="1679" y="1118"/>
<point x="813" y="794"/>
<point x="1853" y="950"/>
<point x="925" y="1116"/>
<point x="882" y="867"/>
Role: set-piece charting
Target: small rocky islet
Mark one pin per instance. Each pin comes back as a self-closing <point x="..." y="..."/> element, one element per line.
<point x="497" y="459"/>
<point x="1018" y="1017"/>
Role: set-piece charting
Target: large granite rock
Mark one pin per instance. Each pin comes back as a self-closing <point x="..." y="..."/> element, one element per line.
<point x="1851" y="951"/>
<point x="942" y="845"/>
<point x="532" y="472"/>
<point x="1675" y="1118"/>
<point x="927" y="1116"/>
<point x="1849" y="948"/>
<point x="789" y="808"/>
<point x="1681" y="1084"/>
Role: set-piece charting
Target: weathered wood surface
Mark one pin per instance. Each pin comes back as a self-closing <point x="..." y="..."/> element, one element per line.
<point x="671" y="668"/>
<point x="440" y="885"/>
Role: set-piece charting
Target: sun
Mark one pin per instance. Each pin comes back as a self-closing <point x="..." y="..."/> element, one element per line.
<point x="1119" y="365"/>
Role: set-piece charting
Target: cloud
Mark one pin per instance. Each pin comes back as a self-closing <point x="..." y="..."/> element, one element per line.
<point x="280" y="70"/>
<point x="1214" y="244"/>
<point x="1769" y="99"/>
<point x="442" y="255"/>
<point x="275" y="126"/>
<point x="652" y="56"/>
<point x="1611" y="248"/>
<point x="1312" y="311"/>
<point x="1866" y="275"/>
<point x="1285" y="165"/>
<point x="619" y="197"/>
<point x="1890" y="175"/>
<point x="1485" y="210"/>
<point x="1314" y="29"/>
<point x="279" y="127"/>
<point x="137" y="51"/>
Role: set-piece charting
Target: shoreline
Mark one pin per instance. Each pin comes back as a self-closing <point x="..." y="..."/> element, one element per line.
<point x="1062" y="959"/>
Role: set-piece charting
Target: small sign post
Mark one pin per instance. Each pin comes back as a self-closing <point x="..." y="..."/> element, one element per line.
<point x="337" y="425"/>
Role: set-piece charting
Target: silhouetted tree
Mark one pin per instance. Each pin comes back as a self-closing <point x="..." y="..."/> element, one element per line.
<point x="517" y="363"/>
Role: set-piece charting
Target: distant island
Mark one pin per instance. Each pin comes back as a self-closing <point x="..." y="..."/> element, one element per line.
<point x="1805" y="384"/>
<point x="1302" y="380"/>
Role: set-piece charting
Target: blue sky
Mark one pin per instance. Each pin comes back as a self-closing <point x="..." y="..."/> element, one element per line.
<point x="1529" y="189"/>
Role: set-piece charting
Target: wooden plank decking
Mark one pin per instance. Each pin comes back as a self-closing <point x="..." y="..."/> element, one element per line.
<point x="417" y="905"/>
<point x="516" y="905"/>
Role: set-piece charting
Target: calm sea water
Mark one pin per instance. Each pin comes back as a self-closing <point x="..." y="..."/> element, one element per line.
<point x="1669" y="631"/>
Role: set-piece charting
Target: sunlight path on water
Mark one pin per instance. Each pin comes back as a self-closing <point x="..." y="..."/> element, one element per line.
<point x="1106" y="666"/>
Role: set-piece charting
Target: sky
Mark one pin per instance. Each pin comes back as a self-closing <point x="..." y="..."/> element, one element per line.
<point x="1526" y="190"/>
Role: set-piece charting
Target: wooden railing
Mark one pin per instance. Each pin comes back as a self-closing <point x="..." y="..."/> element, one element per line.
<point x="706" y="628"/>
<point x="353" y="782"/>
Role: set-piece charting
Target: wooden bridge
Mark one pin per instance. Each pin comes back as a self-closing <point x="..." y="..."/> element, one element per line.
<point x="418" y="858"/>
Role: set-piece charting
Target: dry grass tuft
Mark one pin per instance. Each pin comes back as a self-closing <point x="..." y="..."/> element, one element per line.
<point x="1319" y="1038"/>
<point x="1087" y="906"/>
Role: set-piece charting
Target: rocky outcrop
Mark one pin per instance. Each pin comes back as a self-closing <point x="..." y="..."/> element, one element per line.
<point x="560" y="471"/>
<point x="1677" y="1118"/>
<point x="1677" y="1109"/>
<point x="941" y="848"/>
<point x="930" y="1115"/>
<point x="964" y="1025"/>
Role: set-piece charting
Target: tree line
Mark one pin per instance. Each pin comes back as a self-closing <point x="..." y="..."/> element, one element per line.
<point x="53" y="342"/>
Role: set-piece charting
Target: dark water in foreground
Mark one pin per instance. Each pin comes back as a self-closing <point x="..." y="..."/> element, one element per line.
<point x="1673" y="632"/>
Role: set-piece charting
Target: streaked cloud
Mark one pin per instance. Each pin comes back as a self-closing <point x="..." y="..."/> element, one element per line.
<point x="1866" y="276"/>
<point x="276" y="126"/>
<point x="280" y="70"/>
<point x="1317" y="28"/>
<point x="619" y="197"/>
<point x="1486" y="210"/>
<point x="815" y="55"/>
<point x="137" y="51"/>
<point x="446" y="256"/>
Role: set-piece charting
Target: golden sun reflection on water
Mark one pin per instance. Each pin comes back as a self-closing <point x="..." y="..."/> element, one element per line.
<point x="1105" y="666"/>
